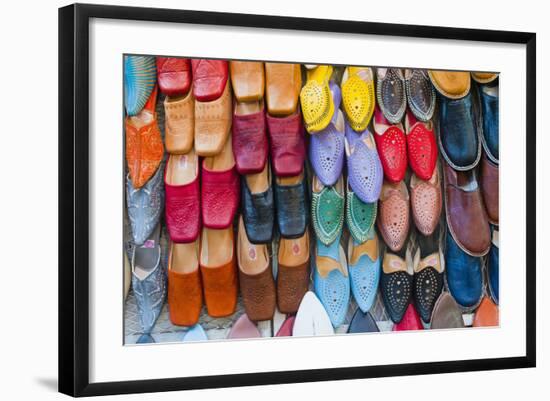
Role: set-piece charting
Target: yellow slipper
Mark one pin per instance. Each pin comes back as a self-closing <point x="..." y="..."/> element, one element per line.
<point x="451" y="84"/>
<point x="358" y="96"/>
<point x="484" y="77"/>
<point x="316" y="99"/>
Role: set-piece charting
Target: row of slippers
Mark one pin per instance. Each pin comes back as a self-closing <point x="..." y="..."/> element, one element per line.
<point x="312" y="320"/>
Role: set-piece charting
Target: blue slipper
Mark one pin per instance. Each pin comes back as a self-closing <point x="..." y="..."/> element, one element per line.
<point x="140" y="77"/>
<point x="364" y="270"/>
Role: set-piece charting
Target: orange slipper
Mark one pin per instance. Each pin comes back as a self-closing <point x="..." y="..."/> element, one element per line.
<point x="486" y="314"/>
<point x="283" y="85"/>
<point x="451" y="84"/>
<point x="219" y="271"/>
<point x="144" y="148"/>
<point x="184" y="284"/>
<point x="179" y="123"/>
<point x="484" y="77"/>
<point x="213" y="123"/>
<point x="247" y="79"/>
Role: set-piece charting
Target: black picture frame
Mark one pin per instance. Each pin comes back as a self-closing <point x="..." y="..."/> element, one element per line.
<point x="74" y="198"/>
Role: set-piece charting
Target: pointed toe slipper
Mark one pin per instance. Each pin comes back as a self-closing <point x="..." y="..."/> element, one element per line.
<point x="288" y="150"/>
<point x="179" y="123"/>
<point x="411" y="321"/>
<point x="209" y="79"/>
<point x="331" y="280"/>
<point x="293" y="272"/>
<point x="244" y="328"/>
<point x="219" y="271"/>
<point x="249" y="137"/>
<point x="426" y="202"/>
<point x="182" y="212"/>
<point x="362" y="322"/>
<point x="451" y="84"/>
<point x="174" y="75"/>
<point x="393" y="214"/>
<point x="195" y="333"/>
<point x="140" y="77"/>
<point x="446" y="314"/>
<point x="316" y="99"/>
<point x="358" y="96"/>
<point x="282" y="86"/>
<point x="421" y="95"/>
<point x="220" y="189"/>
<point x="213" y="124"/>
<point x="391" y="93"/>
<point x="487" y="314"/>
<point x="144" y="148"/>
<point x="286" y="328"/>
<point x="364" y="270"/>
<point x="421" y="146"/>
<point x="391" y="144"/>
<point x="365" y="173"/>
<point x="255" y="278"/>
<point x="396" y="285"/>
<point x="360" y="216"/>
<point x="248" y="80"/>
<point x="327" y="210"/>
<point x="184" y="284"/>
<point x="311" y="319"/>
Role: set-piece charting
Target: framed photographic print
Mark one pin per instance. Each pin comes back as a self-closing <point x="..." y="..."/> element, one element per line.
<point x="276" y="199"/>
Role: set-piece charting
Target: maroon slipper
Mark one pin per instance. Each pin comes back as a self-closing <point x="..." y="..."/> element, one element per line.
<point x="209" y="79"/>
<point x="174" y="75"/>
<point x="286" y="136"/>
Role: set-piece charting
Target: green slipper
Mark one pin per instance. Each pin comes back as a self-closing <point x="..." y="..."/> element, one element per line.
<point x="327" y="210"/>
<point x="360" y="216"/>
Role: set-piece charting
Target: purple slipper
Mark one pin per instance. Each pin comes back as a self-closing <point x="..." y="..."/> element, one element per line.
<point x="364" y="166"/>
<point x="326" y="148"/>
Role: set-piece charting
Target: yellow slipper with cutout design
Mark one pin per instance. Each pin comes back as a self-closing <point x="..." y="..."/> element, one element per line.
<point x="358" y="96"/>
<point x="316" y="99"/>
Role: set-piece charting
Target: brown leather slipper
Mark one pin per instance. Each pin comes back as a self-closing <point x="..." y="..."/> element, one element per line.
<point x="283" y="85"/>
<point x="213" y="124"/>
<point x="293" y="274"/>
<point x="248" y="80"/>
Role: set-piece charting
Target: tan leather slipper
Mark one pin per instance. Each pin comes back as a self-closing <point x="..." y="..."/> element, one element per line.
<point x="451" y="84"/>
<point x="248" y="80"/>
<point x="213" y="124"/>
<point x="484" y="77"/>
<point x="283" y="85"/>
<point x="293" y="274"/>
<point x="179" y="123"/>
<point x="255" y="277"/>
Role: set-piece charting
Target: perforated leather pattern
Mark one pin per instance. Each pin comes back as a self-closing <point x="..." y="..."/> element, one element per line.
<point x="327" y="155"/>
<point x="391" y="96"/>
<point x="220" y="194"/>
<point x="364" y="281"/>
<point x="327" y="210"/>
<point x="317" y="106"/>
<point x="333" y="292"/>
<point x="396" y="293"/>
<point x="422" y="151"/>
<point x="292" y="284"/>
<point x="392" y="149"/>
<point x="393" y="221"/>
<point x="365" y="173"/>
<point x="428" y="284"/>
<point x="360" y="217"/>
<point x="421" y="95"/>
<point x="426" y="206"/>
<point x="183" y="211"/>
<point x="358" y="101"/>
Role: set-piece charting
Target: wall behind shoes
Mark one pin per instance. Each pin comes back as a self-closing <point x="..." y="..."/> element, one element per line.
<point x="28" y="200"/>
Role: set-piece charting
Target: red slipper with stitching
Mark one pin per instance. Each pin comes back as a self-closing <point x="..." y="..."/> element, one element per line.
<point x="209" y="79"/>
<point x="174" y="75"/>
<point x="391" y="145"/>
<point x="421" y="146"/>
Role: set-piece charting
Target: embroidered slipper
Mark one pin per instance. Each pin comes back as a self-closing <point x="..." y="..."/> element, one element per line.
<point x="327" y="147"/>
<point x="327" y="210"/>
<point x="195" y="333"/>
<point x="391" y="93"/>
<point x="140" y="77"/>
<point x="358" y="96"/>
<point x="396" y="284"/>
<point x="182" y="212"/>
<point x="179" y="123"/>
<point x="451" y="84"/>
<point x="174" y="75"/>
<point x="286" y="138"/>
<point x="213" y="123"/>
<point x="393" y="214"/>
<point x="312" y="318"/>
<point x="426" y="202"/>
<point x="420" y="94"/>
<point x="410" y="321"/>
<point x="255" y="277"/>
<point x="249" y="137"/>
<point x="484" y="77"/>
<point x="220" y="189"/>
<point x="421" y="146"/>
<point x="219" y="271"/>
<point x="184" y="284"/>
<point x="364" y="270"/>
<point x="360" y="216"/>
<point x="293" y="272"/>
<point x="244" y="328"/>
<point x="144" y="148"/>
<point x="392" y="146"/>
<point x="331" y="280"/>
<point x="316" y="99"/>
<point x="365" y="172"/>
<point x="362" y="322"/>
<point x="248" y="80"/>
<point x="282" y="88"/>
<point x="428" y="275"/>
<point x="209" y="79"/>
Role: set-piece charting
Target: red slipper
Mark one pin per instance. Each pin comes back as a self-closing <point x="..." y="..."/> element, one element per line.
<point x="249" y="138"/>
<point x="286" y="328"/>
<point x="174" y="75"/>
<point x="209" y="79"/>
<point x="391" y="145"/>
<point x="410" y="321"/>
<point x="288" y="150"/>
<point x="421" y="146"/>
